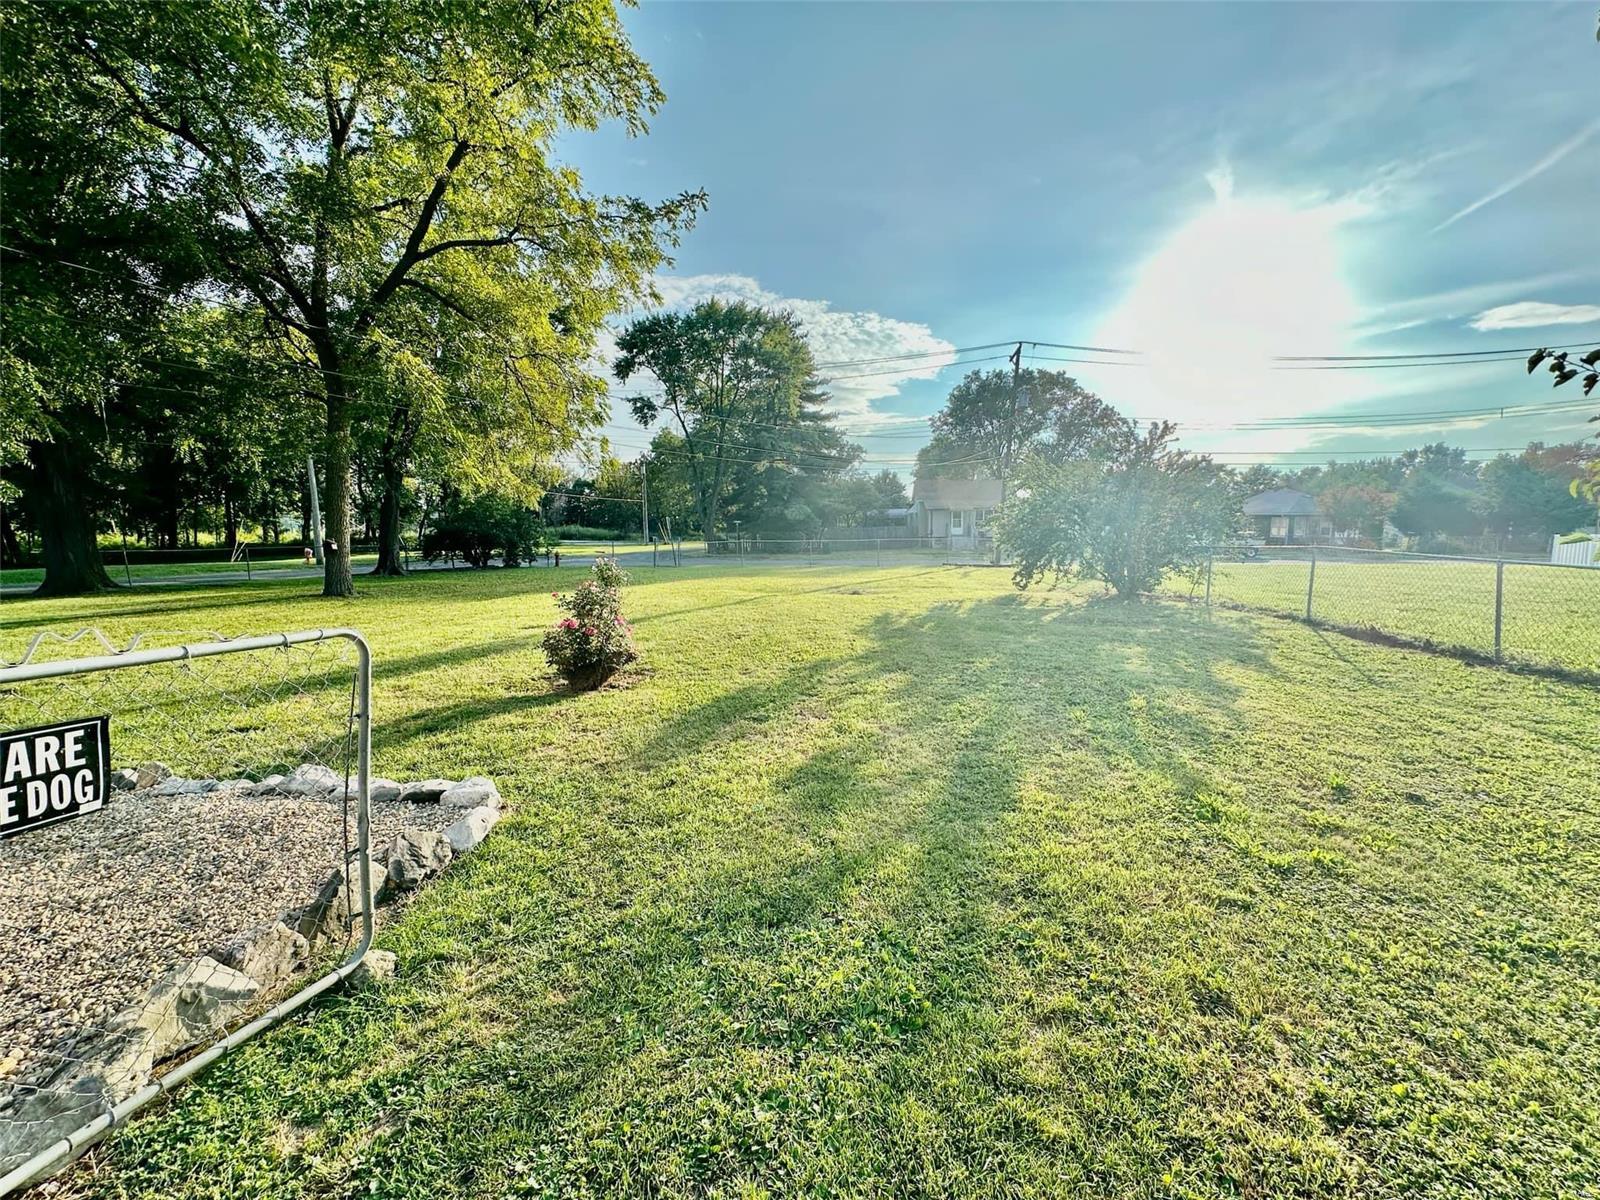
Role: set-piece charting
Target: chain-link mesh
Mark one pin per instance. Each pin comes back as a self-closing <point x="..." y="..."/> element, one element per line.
<point x="1529" y="613"/>
<point x="219" y="877"/>
<point x="851" y="552"/>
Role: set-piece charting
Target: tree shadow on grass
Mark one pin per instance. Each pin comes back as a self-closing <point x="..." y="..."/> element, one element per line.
<point x="775" y="939"/>
<point x="858" y="918"/>
<point x="191" y="602"/>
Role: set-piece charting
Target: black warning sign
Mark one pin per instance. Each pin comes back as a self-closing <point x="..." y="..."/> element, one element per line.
<point x="53" y="772"/>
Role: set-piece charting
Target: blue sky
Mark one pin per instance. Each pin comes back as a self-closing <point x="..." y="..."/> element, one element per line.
<point x="1211" y="184"/>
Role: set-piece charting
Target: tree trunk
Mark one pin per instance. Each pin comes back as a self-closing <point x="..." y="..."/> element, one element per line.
<point x="10" y="549"/>
<point x="391" y="558"/>
<point x="230" y="524"/>
<point x="392" y="458"/>
<point x="72" y="563"/>
<point x="336" y="576"/>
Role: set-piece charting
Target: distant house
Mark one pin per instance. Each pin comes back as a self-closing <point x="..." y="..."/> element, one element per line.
<point x="955" y="508"/>
<point x="1285" y="517"/>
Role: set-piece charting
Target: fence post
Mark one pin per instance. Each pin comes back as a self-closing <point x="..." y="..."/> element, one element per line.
<point x="653" y="561"/>
<point x="1499" y="603"/>
<point x="247" y="575"/>
<point x="1311" y="582"/>
<point x="1210" y="555"/>
<point x="880" y="552"/>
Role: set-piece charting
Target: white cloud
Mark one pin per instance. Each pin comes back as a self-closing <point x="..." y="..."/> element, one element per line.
<point x="1459" y="302"/>
<point x="1536" y="314"/>
<point x="836" y="336"/>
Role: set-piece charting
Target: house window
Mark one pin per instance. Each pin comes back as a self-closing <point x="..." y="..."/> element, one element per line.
<point x="955" y="522"/>
<point x="1280" y="527"/>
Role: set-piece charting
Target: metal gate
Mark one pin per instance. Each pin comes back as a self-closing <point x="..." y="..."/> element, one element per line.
<point x="212" y="885"/>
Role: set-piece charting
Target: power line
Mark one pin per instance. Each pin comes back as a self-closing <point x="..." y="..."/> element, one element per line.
<point x="865" y="362"/>
<point x="253" y="309"/>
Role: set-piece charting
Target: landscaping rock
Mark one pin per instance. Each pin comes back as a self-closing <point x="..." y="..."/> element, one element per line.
<point x="476" y="792"/>
<point x="328" y="917"/>
<point x="119" y="1060"/>
<point x="382" y="791"/>
<point x="234" y="785"/>
<point x="176" y="785"/>
<point x="125" y="779"/>
<point x="153" y="772"/>
<point x="312" y="779"/>
<point x="377" y="965"/>
<point x="266" y="953"/>
<point x="413" y="856"/>
<point x="188" y="1004"/>
<point x="470" y="828"/>
<point x="425" y="791"/>
<point x="98" y="1074"/>
<point x="268" y="786"/>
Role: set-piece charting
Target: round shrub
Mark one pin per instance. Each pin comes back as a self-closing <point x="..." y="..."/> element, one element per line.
<point x="593" y="641"/>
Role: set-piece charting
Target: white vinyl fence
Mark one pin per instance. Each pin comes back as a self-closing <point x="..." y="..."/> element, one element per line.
<point x="1585" y="553"/>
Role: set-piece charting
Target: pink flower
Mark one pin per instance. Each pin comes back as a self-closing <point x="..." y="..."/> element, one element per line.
<point x="555" y="595"/>
<point x="589" y="630"/>
<point x="569" y="623"/>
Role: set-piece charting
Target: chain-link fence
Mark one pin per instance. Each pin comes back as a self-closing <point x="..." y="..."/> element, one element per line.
<point x="903" y="550"/>
<point x="184" y="862"/>
<point x="1537" y="614"/>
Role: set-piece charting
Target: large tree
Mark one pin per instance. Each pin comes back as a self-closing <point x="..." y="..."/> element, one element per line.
<point x="728" y="376"/>
<point x="1356" y="506"/>
<point x="363" y="162"/>
<point x="993" y="419"/>
<point x="1125" y="518"/>
<point x="1518" y="498"/>
<point x="785" y="477"/>
<point x="93" y="224"/>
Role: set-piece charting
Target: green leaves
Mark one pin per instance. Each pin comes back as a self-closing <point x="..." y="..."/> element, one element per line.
<point x="728" y="376"/>
<point x="1126" y="518"/>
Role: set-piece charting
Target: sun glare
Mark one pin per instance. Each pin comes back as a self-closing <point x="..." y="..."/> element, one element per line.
<point x="1243" y="281"/>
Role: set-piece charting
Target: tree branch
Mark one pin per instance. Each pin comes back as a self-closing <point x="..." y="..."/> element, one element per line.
<point x="430" y="290"/>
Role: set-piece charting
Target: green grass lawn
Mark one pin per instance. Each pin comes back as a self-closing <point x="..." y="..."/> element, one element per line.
<point x="14" y="576"/>
<point x="901" y="884"/>
<point x="1551" y="615"/>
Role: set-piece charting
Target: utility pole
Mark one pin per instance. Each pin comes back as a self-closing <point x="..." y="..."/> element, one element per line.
<point x="644" y="483"/>
<point x="1011" y="436"/>
<point x="316" y="509"/>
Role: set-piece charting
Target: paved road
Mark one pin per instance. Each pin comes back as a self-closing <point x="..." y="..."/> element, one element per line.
<point x="577" y="556"/>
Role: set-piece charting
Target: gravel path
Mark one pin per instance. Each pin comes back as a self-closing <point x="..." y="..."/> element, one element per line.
<point x="93" y="910"/>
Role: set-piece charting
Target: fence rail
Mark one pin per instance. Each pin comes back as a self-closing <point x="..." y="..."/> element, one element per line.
<point x="180" y="914"/>
<point x="1535" y="614"/>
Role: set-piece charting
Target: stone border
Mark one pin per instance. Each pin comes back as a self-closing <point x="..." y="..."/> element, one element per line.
<point x="191" y="1003"/>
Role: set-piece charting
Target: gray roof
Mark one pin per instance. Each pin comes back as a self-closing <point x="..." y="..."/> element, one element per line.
<point x="956" y="493"/>
<point x="1281" y="502"/>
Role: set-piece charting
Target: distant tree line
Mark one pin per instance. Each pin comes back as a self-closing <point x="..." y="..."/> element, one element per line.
<point x="1439" y="495"/>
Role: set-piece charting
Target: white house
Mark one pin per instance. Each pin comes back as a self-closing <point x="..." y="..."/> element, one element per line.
<point x="955" y="508"/>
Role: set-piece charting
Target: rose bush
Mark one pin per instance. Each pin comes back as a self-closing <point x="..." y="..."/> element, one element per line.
<point x="593" y="641"/>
